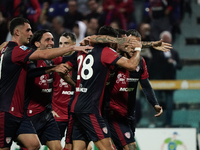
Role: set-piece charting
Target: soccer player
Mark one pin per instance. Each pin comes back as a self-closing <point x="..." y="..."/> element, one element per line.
<point x="121" y="99"/>
<point x="13" y="66"/>
<point x="40" y="89"/>
<point x="63" y="92"/>
<point x="92" y="70"/>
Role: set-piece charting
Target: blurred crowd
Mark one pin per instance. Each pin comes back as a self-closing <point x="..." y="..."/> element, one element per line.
<point x="84" y="17"/>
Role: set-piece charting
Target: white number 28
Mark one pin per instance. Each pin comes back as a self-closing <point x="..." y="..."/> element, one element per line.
<point x="87" y="63"/>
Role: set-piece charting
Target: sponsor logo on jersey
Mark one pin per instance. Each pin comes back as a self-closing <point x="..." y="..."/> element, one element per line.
<point x="138" y="68"/>
<point x="46" y="90"/>
<point x="126" y="89"/>
<point x="79" y="89"/>
<point x="68" y="92"/>
<point x="89" y="51"/>
<point x="132" y="79"/>
<point x="105" y="130"/>
<point x="8" y="140"/>
<point x="127" y="134"/>
<point x="23" y="47"/>
<point x="121" y="78"/>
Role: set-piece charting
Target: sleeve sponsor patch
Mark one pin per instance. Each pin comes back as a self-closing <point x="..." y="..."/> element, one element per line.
<point x="23" y="47"/>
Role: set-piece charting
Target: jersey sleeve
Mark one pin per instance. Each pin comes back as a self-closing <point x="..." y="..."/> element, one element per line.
<point x="58" y="60"/>
<point x="66" y="58"/>
<point x="145" y="74"/>
<point x="20" y="54"/>
<point x="109" y="56"/>
<point x="73" y="60"/>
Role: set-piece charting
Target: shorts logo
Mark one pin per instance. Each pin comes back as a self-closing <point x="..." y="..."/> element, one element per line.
<point x="128" y="135"/>
<point x="8" y="140"/>
<point x="23" y="47"/>
<point x="105" y="130"/>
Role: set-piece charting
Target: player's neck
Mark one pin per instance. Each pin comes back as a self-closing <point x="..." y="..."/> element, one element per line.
<point x="16" y="40"/>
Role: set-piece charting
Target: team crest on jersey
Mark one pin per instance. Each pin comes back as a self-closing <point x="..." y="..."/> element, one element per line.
<point x="23" y="47"/>
<point x="105" y="130"/>
<point x="63" y="83"/>
<point x="128" y="135"/>
<point x="8" y="140"/>
<point x="138" y="68"/>
<point x="43" y="80"/>
<point x="121" y="78"/>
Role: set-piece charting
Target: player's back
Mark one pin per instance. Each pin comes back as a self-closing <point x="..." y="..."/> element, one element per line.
<point x="122" y="93"/>
<point x="91" y="79"/>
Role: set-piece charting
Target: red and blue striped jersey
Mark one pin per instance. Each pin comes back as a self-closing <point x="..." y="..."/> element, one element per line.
<point x="92" y="73"/>
<point x="13" y="71"/>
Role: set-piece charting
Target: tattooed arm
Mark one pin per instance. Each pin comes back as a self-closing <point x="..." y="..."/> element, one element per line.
<point x="123" y="42"/>
<point x="158" y="45"/>
<point x="146" y="44"/>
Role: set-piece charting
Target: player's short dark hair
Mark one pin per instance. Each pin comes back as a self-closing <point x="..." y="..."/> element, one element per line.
<point x="71" y="35"/>
<point x="17" y="22"/>
<point x="37" y="37"/>
<point x="121" y="32"/>
<point x="107" y="30"/>
<point x="133" y="32"/>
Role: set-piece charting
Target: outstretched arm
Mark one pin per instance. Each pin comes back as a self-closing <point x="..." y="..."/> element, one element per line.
<point x="158" y="45"/>
<point x="150" y="95"/>
<point x="123" y="42"/>
<point x="55" y="52"/>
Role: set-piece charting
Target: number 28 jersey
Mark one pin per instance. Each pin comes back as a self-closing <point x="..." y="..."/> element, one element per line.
<point x="92" y="73"/>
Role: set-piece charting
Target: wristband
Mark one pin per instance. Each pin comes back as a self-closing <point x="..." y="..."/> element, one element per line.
<point x="137" y="49"/>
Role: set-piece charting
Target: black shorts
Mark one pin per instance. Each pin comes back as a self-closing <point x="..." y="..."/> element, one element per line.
<point x="62" y="127"/>
<point x="46" y="126"/>
<point x="9" y="125"/>
<point x="89" y="127"/>
<point x="122" y="131"/>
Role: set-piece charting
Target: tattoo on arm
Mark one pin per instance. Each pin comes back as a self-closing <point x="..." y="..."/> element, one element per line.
<point x="109" y="39"/>
<point x="122" y="40"/>
<point x="105" y="39"/>
<point x="146" y="44"/>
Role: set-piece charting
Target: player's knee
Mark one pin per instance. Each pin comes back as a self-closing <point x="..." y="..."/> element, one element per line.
<point x="33" y="146"/>
<point x="54" y="145"/>
<point x="131" y="146"/>
<point x="5" y="148"/>
<point x="57" y="147"/>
